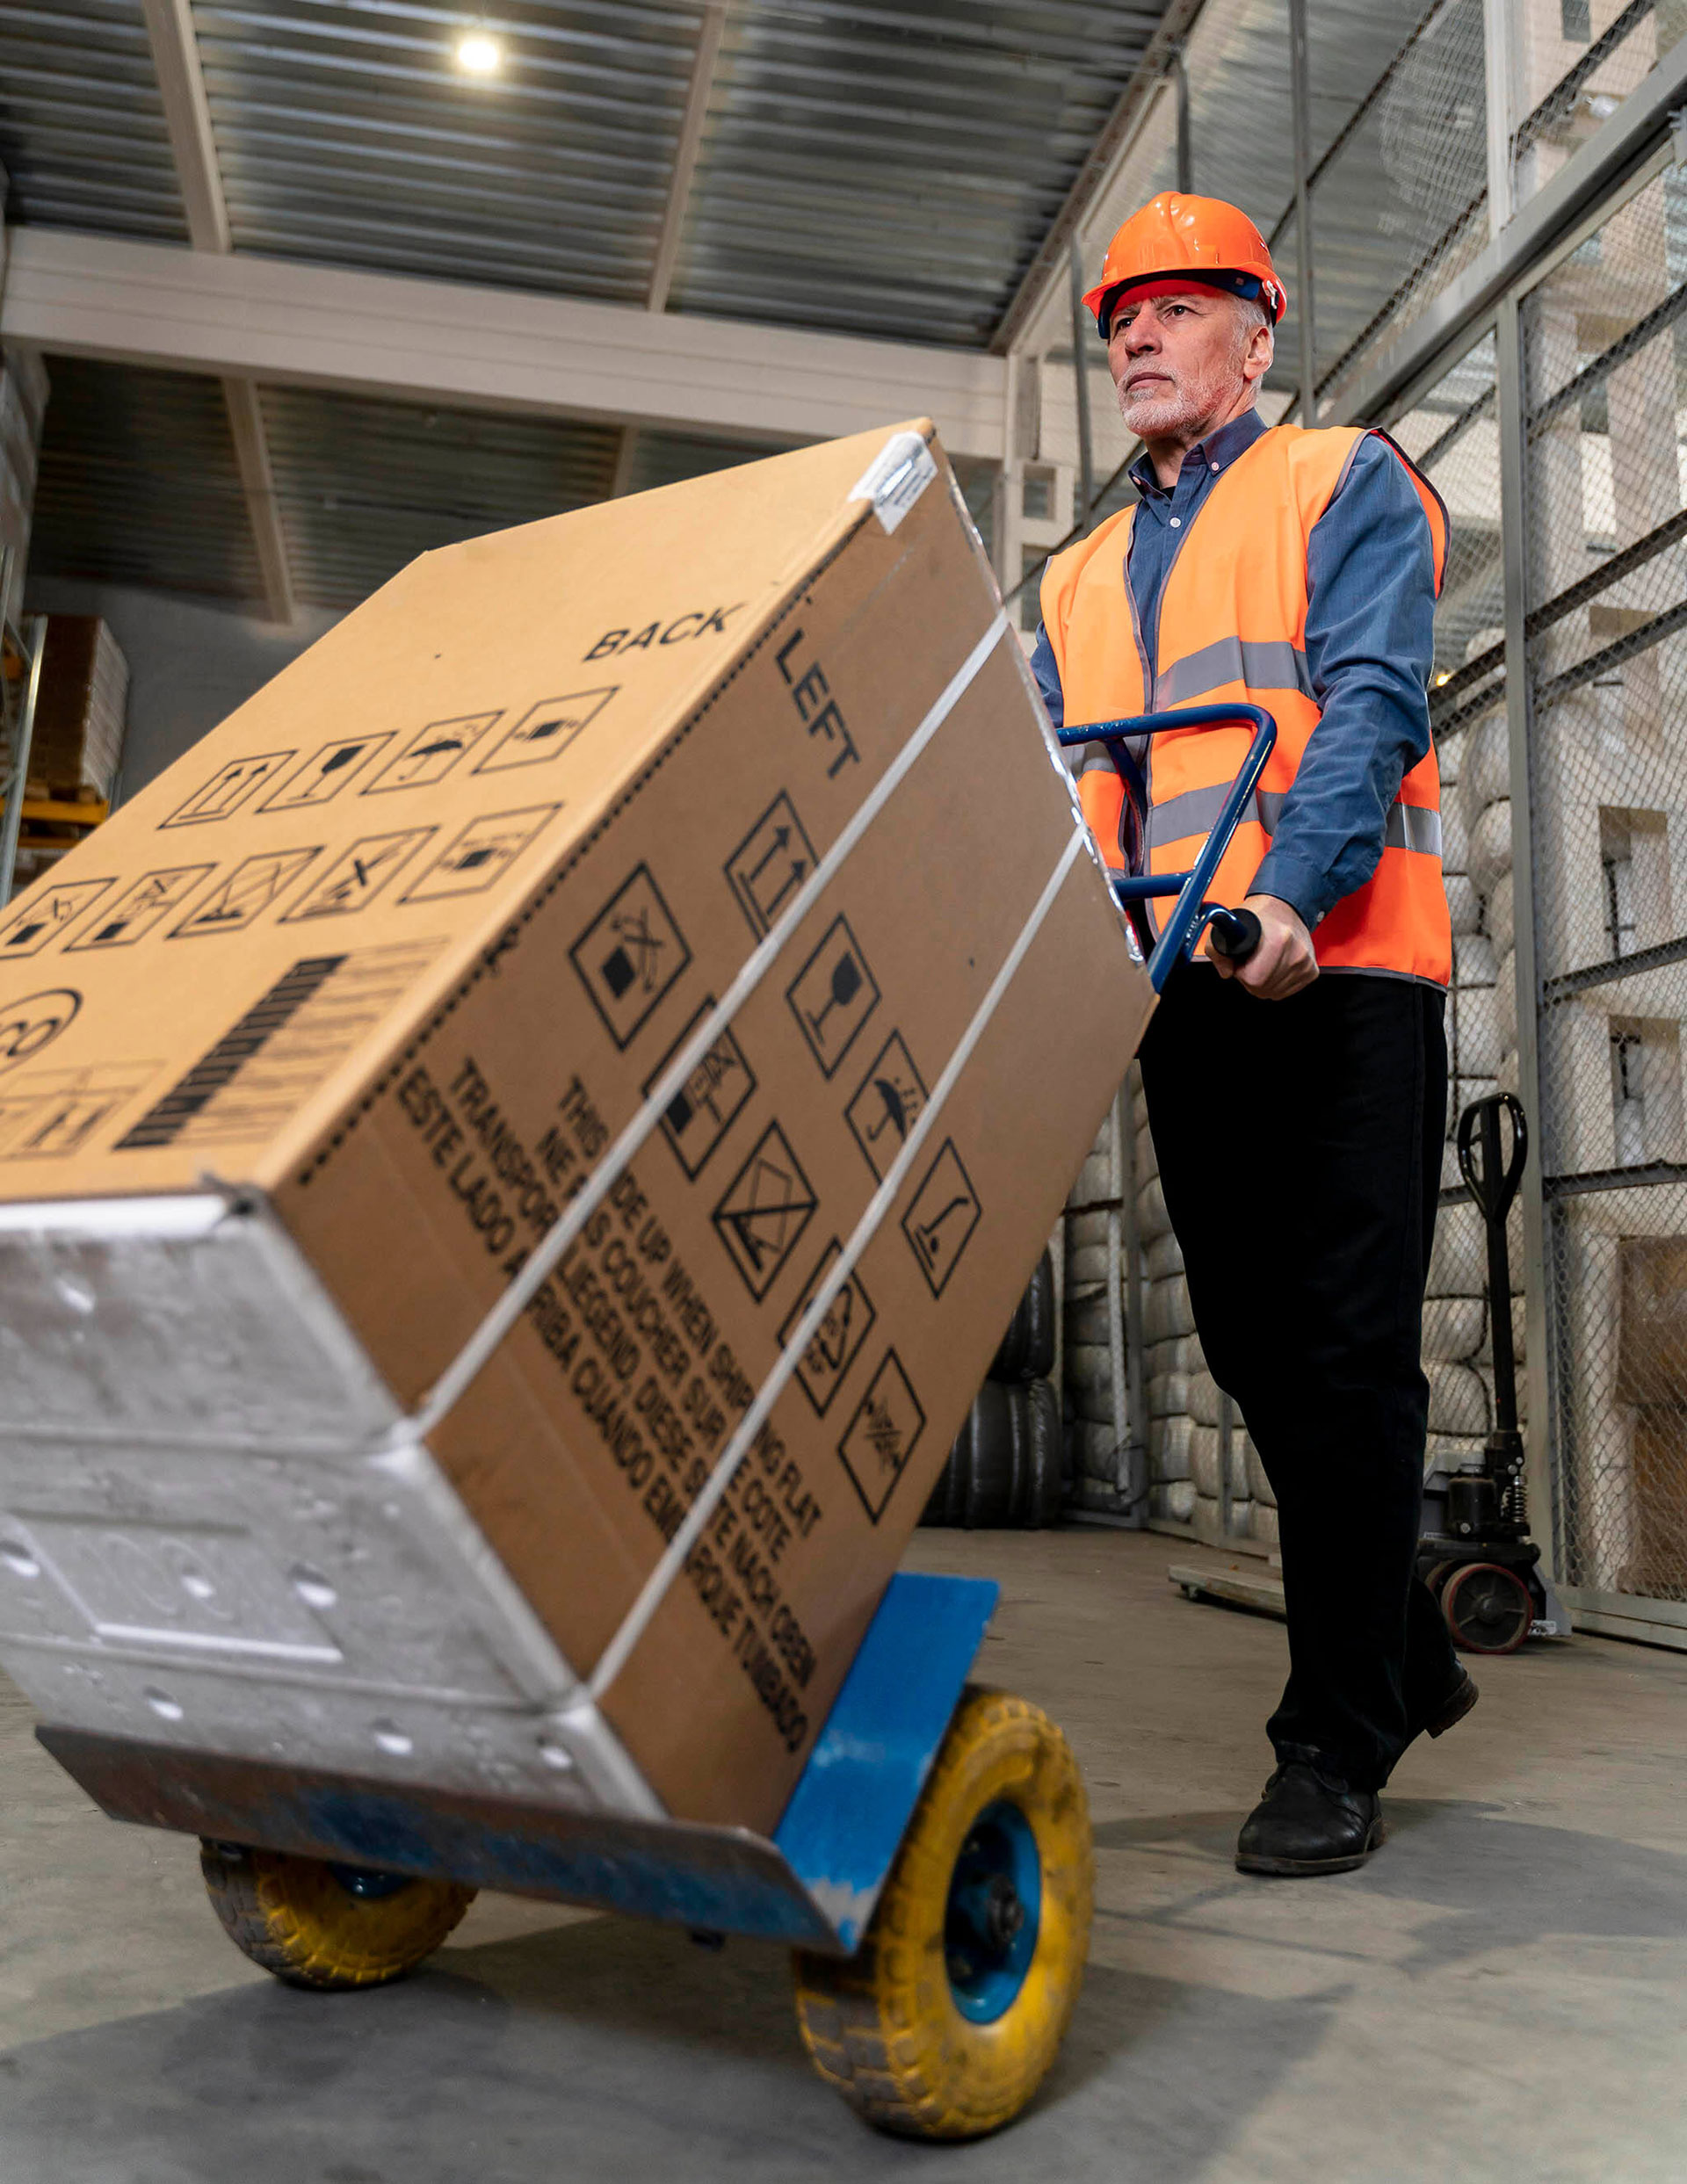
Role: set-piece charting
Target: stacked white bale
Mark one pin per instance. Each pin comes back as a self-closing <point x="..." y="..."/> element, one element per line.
<point x="1097" y="1460"/>
<point x="1253" y="1506"/>
<point x="1182" y="1399"/>
<point x="1482" y="1058"/>
<point x="1171" y="1349"/>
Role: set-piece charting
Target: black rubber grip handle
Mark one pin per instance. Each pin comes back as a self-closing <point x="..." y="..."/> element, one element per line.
<point x="1235" y="935"/>
<point x="1493" y="1181"/>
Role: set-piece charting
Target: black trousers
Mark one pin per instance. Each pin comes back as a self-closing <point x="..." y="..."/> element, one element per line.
<point x="1300" y="1149"/>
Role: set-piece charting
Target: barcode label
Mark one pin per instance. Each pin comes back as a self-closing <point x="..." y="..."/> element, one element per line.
<point x="264" y="1067"/>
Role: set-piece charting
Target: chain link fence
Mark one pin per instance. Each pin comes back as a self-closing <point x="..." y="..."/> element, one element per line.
<point x="1399" y="201"/>
<point x="1606" y="630"/>
<point x="1452" y="433"/>
<point x="1574" y="64"/>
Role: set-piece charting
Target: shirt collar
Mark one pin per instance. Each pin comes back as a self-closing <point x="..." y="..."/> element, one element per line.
<point x="1218" y="451"/>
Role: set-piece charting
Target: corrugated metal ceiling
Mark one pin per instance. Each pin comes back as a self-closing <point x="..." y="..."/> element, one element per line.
<point x="366" y="486"/>
<point x="81" y="127"/>
<point x="880" y="169"/>
<point x="892" y="169"/>
<point x="138" y="483"/>
<point x="346" y="133"/>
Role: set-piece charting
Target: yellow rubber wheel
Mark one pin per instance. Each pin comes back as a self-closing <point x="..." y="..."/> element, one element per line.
<point x="316" y="1925"/>
<point x="945" y="2021"/>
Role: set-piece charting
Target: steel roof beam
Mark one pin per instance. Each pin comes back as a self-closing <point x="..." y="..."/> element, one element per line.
<point x="252" y="453"/>
<point x="709" y="33"/>
<point x="192" y="141"/>
<point x="292" y="324"/>
<point x="187" y="116"/>
<point x="625" y="456"/>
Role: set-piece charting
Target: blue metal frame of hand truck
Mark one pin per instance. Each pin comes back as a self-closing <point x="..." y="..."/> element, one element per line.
<point x="1191" y="913"/>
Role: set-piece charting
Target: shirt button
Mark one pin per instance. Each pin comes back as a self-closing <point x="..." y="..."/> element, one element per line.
<point x="1213" y="465"/>
<point x="1176" y="523"/>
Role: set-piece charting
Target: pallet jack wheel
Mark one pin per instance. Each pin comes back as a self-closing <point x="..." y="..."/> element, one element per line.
<point x="327" y="1927"/>
<point x="1488" y="1608"/>
<point x="946" y="2018"/>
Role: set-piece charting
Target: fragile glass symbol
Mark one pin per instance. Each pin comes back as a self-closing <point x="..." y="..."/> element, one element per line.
<point x="846" y="983"/>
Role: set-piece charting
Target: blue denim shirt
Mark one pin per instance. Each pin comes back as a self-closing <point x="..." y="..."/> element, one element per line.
<point x="1370" y="645"/>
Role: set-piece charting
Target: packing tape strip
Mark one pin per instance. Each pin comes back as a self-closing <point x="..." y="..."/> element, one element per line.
<point x="615" y="1654"/>
<point x="474" y="1353"/>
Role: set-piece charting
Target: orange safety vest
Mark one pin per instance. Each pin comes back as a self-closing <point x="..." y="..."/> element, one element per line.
<point x="1232" y="626"/>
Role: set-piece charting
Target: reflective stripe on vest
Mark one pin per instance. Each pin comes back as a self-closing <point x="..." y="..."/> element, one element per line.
<point x="1232" y="625"/>
<point x="1268" y="667"/>
<point x="1196" y="812"/>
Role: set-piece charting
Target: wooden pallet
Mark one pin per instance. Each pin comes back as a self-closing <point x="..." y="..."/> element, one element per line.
<point x="54" y="820"/>
<point x="1233" y="1585"/>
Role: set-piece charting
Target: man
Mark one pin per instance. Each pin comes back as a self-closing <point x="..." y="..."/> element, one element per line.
<point x="1297" y="1103"/>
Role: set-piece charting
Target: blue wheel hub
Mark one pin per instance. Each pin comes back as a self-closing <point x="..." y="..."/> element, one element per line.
<point x="990" y="1926"/>
<point x="367" y="1886"/>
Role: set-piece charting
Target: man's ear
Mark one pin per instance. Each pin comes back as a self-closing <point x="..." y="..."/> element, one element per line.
<point x="1261" y="350"/>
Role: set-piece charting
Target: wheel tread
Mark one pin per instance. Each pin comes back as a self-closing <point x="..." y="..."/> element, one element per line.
<point x="263" y="1899"/>
<point x="866" y="2020"/>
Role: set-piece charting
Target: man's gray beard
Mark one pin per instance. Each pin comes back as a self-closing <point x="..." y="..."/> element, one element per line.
<point x="1170" y="413"/>
<point x="1146" y="418"/>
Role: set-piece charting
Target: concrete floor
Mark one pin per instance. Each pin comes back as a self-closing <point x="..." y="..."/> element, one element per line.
<point x="1500" y="1995"/>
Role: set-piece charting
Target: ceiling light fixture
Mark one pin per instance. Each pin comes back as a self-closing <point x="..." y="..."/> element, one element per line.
<point x="479" y="54"/>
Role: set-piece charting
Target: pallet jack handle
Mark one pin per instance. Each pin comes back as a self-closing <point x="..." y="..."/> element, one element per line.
<point x="1493" y="1183"/>
<point x="1234" y="934"/>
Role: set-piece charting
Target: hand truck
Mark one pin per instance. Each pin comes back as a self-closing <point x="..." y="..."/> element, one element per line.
<point x="933" y="1869"/>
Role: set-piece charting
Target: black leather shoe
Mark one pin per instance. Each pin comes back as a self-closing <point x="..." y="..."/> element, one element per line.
<point x="1452" y="1709"/>
<point x="1309" y="1822"/>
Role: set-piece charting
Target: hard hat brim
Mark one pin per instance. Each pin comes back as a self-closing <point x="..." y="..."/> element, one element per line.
<point x="1222" y="282"/>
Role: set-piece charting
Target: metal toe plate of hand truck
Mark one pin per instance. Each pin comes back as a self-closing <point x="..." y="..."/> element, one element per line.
<point x="816" y="1883"/>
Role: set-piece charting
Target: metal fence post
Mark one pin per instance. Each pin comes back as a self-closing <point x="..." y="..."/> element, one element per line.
<point x="1514" y="487"/>
<point x="1300" y="99"/>
<point x="1080" y="381"/>
<point x="1498" y="70"/>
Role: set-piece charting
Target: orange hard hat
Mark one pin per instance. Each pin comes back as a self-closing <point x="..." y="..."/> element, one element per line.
<point x="1198" y="238"/>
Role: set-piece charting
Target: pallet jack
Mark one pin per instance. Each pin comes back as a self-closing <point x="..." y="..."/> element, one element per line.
<point x="1475" y="1552"/>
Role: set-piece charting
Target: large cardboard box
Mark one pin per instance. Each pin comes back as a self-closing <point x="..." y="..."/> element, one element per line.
<point x="725" y="815"/>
